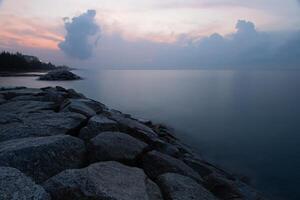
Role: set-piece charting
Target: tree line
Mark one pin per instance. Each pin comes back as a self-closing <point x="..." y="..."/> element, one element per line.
<point x="20" y="62"/>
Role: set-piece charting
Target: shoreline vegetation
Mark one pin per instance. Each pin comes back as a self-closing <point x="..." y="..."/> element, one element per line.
<point x="17" y="64"/>
<point x="57" y="144"/>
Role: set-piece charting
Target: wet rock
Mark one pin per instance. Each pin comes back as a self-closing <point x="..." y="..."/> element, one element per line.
<point x="115" y="146"/>
<point x="105" y="180"/>
<point x="155" y="164"/>
<point x="178" y="187"/>
<point x="96" y="125"/>
<point x="15" y="185"/>
<point x="47" y="123"/>
<point x="59" y="75"/>
<point x="42" y="157"/>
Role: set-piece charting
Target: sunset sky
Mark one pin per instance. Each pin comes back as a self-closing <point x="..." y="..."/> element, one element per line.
<point x="40" y="27"/>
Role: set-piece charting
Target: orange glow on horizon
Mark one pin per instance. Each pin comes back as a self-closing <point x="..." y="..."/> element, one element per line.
<point x="17" y="31"/>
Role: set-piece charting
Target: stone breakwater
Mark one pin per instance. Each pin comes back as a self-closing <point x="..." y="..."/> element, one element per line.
<point x="57" y="144"/>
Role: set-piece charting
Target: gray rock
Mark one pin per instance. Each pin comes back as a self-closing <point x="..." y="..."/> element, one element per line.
<point x="166" y="148"/>
<point x="131" y="124"/>
<point x="42" y="157"/>
<point x="13" y="126"/>
<point x="155" y="163"/>
<point x="202" y="168"/>
<point x="14" y="185"/>
<point x="50" y="95"/>
<point x="74" y="95"/>
<point x="178" y="187"/>
<point x="2" y="99"/>
<point x="57" y="75"/>
<point x="79" y="107"/>
<point x="96" y="125"/>
<point x="115" y="146"/>
<point x="105" y="180"/>
<point x="26" y="106"/>
<point x="11" y="93"/>
<point x="222" y="187"/>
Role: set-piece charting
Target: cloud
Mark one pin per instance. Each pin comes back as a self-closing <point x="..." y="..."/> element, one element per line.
<point x="245" y="48"/>
<point x="80" y="39"/>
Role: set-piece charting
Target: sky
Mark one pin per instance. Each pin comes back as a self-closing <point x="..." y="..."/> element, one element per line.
<point x="154" y="33"/>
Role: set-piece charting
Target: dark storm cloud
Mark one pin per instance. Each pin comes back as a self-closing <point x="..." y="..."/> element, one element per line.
<point x="80" y="38"/>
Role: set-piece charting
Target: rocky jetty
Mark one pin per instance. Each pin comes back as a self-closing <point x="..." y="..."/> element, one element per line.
<point x="59" y="75"/>
<point x="57" y="144"/>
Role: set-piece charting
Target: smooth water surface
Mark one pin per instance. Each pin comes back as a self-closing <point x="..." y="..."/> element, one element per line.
<point x="245" y="121"/>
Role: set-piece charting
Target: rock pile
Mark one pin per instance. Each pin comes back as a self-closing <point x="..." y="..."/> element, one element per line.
<point x="57" y="144"/>
<point x="59" y="75"/>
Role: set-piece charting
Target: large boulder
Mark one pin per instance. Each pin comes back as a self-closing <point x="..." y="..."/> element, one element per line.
<point x="59" y="75"/>
<point x="133" y="127"/>
<point x="42" y="157"/>
<point x="14" y="185"/>
<point x="178" y="187"/>
<point x="105" y="180"/>
<point x="155" y="163"/>
<point x="46" y="123"/>
<point x="9" y="93"/>
<point x="85" y="107"/>
<point x="22" y="107"/>
<point x="97" y="124"/>
<point x="222" y="187"/>
<point x="128" y="123"/>
<point x="2" y="99"/>
<point x="115" y="146"/>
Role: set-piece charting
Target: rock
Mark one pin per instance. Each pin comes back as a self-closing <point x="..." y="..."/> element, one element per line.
<point x="178" y="187"/>
<point x="42" y="157"/>
<point x="2" y="99"/>
<point x="74" y="95"/>
<point x="85" y="107"/>
<point x="166" y="148"/>
<point x="26" y="106"/>
<point x="155" y="164"/>
<point x="222" y="187"/>
<point x="227" y="189"/>
<point x="13" y="92"/>
<point x="200" y="167"/>
<point x="48" y="95"/>
<point x="96" y="125"/>
<point x="115" y="146"/>
<point x="15" y="185"/>
<point x="79" y="107"/>
<point x="133" y="127"/>
<point x="131" y="124"/>
<point x="59" y="75"/>
<point x="105" y="180"/>
<point x="13" y="126"/>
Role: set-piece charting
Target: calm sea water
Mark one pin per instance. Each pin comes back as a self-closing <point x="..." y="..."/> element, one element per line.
<point x="245" y="121"/>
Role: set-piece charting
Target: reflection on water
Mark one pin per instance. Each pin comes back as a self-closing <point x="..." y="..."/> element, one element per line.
<point x="247" y="121"/>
